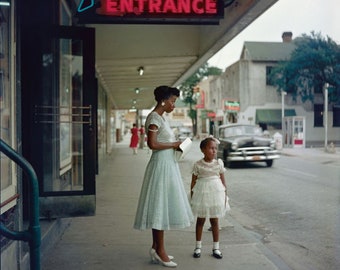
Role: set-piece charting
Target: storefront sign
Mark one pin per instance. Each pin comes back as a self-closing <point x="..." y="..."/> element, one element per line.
<point x="231" y="106"/>
<point x="200" y="97"/>
<point x="151" y="11"/>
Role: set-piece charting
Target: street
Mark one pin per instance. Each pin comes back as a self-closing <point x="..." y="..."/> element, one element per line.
<point x="292" y="208"/>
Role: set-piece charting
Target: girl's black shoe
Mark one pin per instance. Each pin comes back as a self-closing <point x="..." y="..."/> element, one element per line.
<point x="197" y="253"/>
<point x="217" y="254"/>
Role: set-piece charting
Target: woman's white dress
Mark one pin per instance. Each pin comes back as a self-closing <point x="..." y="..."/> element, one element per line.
<point x="209" y="198"/>
<point x="163" y="203"/>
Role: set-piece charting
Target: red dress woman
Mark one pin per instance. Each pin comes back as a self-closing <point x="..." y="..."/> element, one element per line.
<point x="134" y="139"/>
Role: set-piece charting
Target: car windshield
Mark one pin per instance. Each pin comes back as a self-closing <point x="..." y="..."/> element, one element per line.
<point x="240" y="130"/>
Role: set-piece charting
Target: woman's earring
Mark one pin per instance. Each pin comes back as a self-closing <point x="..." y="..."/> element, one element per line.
<point x="163" y="103"/>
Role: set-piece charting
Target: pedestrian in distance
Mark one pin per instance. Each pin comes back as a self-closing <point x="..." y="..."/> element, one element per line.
<point x="141" y="137"/>
<point x="208" y="194"/>
<point x="163" y="203"/>
<point x="134" y="138"/>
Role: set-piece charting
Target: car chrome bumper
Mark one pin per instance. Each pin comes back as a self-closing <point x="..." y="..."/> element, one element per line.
<point x="254" y="155"/>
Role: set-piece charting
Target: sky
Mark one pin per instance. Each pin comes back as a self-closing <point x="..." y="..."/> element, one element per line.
<point x="296" y="16"/>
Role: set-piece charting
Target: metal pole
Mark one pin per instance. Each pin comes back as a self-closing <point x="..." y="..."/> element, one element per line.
<point x="283" y="93"/>
<point x="33" y="234"/>
<point x="325" y="115"/>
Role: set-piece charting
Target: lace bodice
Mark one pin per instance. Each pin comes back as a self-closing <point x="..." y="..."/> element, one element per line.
<point x="204" y="169"/>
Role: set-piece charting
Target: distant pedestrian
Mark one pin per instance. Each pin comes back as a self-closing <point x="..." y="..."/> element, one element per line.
<point x="134" y="138"/>
<point x="208" y="194"/>
<point x="141" y="137"/>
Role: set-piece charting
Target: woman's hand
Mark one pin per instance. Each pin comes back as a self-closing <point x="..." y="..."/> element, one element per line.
<point x="175" y="145"/>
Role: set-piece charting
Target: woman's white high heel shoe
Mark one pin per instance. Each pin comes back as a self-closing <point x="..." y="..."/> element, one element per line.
<point x="152" y="256"/>
<point x="166" y="264"/>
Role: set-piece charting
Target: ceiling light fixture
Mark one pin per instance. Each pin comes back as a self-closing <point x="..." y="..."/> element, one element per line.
<point x="137" y="90"/>
<point x="5" y="3"/>
<point x="140" y="71"/>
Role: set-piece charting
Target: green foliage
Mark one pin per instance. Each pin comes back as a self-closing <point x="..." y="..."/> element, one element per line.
<point x="187" y="88"/>
<point x="314" y="62"/>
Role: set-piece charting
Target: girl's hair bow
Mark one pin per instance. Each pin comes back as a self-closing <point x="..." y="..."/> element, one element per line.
<point x="217" y="141"/>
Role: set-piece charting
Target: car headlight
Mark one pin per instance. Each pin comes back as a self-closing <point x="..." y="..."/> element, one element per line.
<point x="234" y="146"/>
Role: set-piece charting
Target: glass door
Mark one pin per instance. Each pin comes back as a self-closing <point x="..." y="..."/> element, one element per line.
<point x="65" y="122"/>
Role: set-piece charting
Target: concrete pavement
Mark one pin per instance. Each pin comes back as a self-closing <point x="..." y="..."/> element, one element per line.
<point x="108" y="240"/>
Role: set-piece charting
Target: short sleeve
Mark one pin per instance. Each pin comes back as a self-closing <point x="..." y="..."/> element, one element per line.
<point x="195" y="169"/>
<point x="154" y="119"/>
<point x="221" y="165"/>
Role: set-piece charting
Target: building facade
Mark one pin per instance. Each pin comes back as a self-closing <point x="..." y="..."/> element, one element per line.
<point x="246" y="84"/>
<point x="54" y="113"/>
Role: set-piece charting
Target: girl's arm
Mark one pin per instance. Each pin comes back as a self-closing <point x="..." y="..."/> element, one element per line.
<point x="193" y="182"/>
<point x="153" y="142"/>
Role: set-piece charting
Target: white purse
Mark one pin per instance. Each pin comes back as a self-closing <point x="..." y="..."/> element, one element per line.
<point x="227" y="206"/>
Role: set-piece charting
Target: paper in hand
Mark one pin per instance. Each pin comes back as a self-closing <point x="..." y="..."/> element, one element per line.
<point x="183" y="149"/>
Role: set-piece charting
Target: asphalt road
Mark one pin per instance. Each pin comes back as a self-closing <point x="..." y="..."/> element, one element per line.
<point x="292" y="207"/>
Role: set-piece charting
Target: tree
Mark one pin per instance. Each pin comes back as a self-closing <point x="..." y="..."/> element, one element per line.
<point x="188" y="89"/>
<point x="314" y="62"/>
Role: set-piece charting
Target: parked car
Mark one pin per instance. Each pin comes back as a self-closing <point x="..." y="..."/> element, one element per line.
<point x="184" y="132"/>
<point x="245" y="143"/>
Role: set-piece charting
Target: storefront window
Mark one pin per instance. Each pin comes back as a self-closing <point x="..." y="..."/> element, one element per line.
<point x="6" y="103"/>
<point x="63" y="122"/>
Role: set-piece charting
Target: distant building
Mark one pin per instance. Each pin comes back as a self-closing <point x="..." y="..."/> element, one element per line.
<point x="180" y="115"/>
<point x="244" y="94"/>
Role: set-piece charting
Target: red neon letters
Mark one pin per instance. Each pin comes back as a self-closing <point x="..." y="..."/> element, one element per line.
<point x="158" y="7"/>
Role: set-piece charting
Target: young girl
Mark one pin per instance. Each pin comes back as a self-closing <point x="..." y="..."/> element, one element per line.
<point x="208" y="194"/>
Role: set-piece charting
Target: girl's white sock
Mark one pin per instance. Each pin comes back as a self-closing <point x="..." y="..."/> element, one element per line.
<point x="216" y="245"/>
<point x="198" y="244"/>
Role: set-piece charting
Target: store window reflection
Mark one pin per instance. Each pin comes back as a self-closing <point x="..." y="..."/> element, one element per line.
<point x="6" y="103"/>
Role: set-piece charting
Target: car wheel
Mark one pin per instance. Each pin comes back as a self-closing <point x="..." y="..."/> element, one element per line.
<point x="269" y="163"/>
<point x="226" y="162"/>
<point x="229" y="164"/>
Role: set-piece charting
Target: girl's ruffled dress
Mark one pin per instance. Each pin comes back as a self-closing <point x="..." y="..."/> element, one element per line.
<point x="209" y="198"/>
<point x="163" y="203"/>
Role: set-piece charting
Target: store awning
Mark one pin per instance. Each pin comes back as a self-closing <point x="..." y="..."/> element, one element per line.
<point x="272" y="116"/>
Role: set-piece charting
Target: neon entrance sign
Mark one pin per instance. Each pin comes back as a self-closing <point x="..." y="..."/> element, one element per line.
<point x="150" y="11"/>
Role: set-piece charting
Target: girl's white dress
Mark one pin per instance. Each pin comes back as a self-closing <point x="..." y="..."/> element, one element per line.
<point x="163" y="203"/>
<point x="209" y="198"/>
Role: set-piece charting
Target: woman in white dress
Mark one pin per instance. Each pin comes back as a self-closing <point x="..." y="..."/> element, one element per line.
<point x="163" y="203"/>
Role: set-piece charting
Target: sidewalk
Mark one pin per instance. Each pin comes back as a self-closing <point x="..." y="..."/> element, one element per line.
<point x="108" y="240"/>
<point x="317" y="154"/>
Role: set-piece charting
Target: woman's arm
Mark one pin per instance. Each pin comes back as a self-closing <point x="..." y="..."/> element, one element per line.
<point x="153" y="142"/>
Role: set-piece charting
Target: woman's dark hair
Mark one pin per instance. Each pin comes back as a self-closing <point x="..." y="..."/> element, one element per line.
<point x="164" y="92"/>
<point x="204" y="143"/>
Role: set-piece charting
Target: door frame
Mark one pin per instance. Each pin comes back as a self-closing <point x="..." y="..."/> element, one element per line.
<point x="56" y="204"/>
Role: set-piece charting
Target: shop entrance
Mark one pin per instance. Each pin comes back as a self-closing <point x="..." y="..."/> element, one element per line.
<point x="64" y="113"/>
